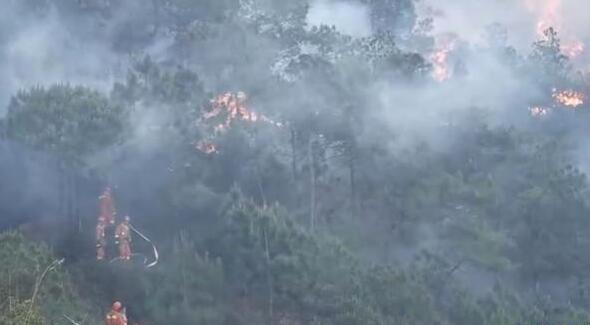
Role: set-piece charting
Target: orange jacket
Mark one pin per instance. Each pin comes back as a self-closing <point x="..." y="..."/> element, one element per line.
<point x="100" y="233"/>
<point x="123" y="232"/>
<point x="107" y="207"/>
<point x="115" y="318"/>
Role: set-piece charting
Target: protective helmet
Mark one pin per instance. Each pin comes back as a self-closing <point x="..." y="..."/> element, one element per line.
<point x="127" y="218"/>
<point x="102" y="219"/>
<point x="117" y="306"/>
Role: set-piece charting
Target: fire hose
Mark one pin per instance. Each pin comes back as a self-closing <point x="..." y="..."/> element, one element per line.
<point x="71" y="320"/>
<point x="154" y="248"/>
<point x="144" y="237"/>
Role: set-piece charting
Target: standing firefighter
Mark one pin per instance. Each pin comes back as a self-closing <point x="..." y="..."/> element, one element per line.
<point x="107" y="206"/>
<point x="123" y="239"/>
<point x="116" y="316"/>
<point x="101" y="239"/>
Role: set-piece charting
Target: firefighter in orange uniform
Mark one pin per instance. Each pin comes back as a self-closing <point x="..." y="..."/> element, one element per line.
<point x="116" y="315"/>
<point x="107" y="206"/>
<point x="123" y="239"/>
<point x="101" y="239"/>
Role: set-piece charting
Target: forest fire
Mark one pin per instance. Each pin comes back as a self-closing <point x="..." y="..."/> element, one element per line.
<point x="206" y="147"/>
<point x="440" y="70"/>
<point x="561" y="98"/>
<point x="573" y="49"/>
<point x="539" y="111"/>
<point x="439" y="59"/>
<point x="550" y="14"/>
<point x="440" y="56"/>
<point x="569" y="98"/>
<point x="229" y="107"/>
<point x="233" y="105"/>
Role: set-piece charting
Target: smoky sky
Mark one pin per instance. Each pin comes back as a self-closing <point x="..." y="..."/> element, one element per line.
<point x="39" y="49"/>
<point x="44" y="44"/>
<point x="469" y="18"/>
<point x="42" y="47"/>
<point x="351" y="17"/>
<point x="64" y="46"/>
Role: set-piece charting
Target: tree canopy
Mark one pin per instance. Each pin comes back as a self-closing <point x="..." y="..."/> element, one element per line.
<point x="290" y="173"/>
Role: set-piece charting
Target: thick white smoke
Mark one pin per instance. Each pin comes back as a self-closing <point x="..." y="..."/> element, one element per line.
<point x="521" y="18"/>
<point x="469" y="19"/>
<point x="40" y="50"/>
<point x="349" y="17"/>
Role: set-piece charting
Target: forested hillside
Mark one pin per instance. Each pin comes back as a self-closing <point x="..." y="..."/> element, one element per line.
<point x="324" y="162"/>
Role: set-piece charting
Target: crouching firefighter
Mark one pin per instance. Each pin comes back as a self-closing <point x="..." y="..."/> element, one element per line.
<point x="116" y="316"/>
<point x="123" y="239"/>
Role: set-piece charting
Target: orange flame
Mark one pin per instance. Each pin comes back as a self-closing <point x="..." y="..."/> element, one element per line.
<point x="206" y="147"/>
<point x="234" y="107"/>
<point x="538" y="111"/>
<point x="230" y="107"/>
<point x="573" y="49"/>
<point x="550" y="14"/>
<point x="569" y="98"/>
<point x="440" y="70"/>
<point x="440" y="57"/>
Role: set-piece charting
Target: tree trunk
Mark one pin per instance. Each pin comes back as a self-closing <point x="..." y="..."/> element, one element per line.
<point x="269" y="276"/>
<point x="68" y="196"/>
<point x="77" y="201"/>
<point x="352" y="172"/>
<point x="259" y="183"/>
<point x="61" y="196"/>
<point x="312" y="184"/>
<point x="293" y="154"/>
<point x="71" y="199"/>
<point x="258" y="174"/>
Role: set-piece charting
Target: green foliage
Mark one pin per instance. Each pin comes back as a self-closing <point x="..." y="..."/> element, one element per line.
<point x="392" y="15"/>
<point x="173" y="97"/>
<point x="190" y="289"/>
<point x="148" y="81"/>
<point x="188" y="11"/>
<point x="23" y="263"/>
<point x="71" y="122"/>
<point x="400" y="228"/>
<point x="285" y="268"/>
<point x="22" y="313"/>
<point x="548" y="58"/>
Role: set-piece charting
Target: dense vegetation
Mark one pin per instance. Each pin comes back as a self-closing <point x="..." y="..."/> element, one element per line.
<point x="345" y="205"/>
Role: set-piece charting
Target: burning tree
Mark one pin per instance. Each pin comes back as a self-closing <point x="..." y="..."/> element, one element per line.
<point x="440" y="60"/>
<point x="539" y="111"/>
<point x="568" y="98"/>
<point x="550" y="15"/>
<point x="548" y="55"/>
<point x="223" y="111"/>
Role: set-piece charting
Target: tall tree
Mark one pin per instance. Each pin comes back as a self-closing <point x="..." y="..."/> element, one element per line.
<point x="70" y="122"/>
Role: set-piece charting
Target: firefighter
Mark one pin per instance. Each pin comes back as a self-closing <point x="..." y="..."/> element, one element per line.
<point x="116" y="316"/>
<point x="101" y="240"/>
<point x="107" y="206"/>
<point x="123" y="239"/>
